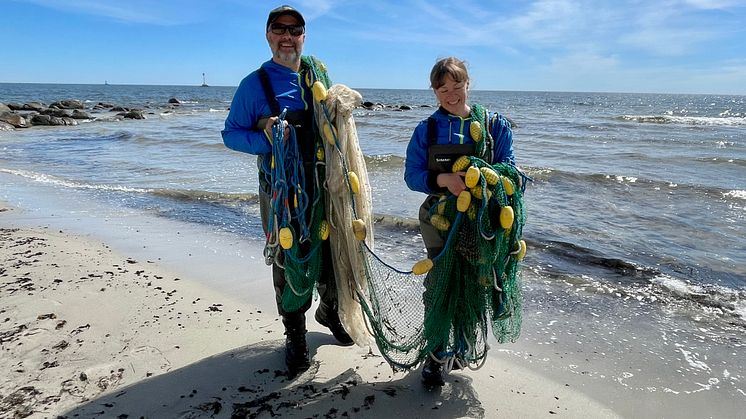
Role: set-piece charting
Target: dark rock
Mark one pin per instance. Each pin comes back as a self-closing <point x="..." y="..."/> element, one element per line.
<point x="102" y="105"/>
<point x="52" y="120"/>
<point x="56" y="112"/>
<point x="68" y="104"/>
<point x="119" y="109"/>
<point x="78" y="114"/>
<point x="14" y="119"/>
<point x="405" y="108"/>
<point x="33" y="106"/>
<point x="132" y="114"/>
<point x="41" y="120"/>
<point x="372" y="106"/>
<point x="174" y="100"/>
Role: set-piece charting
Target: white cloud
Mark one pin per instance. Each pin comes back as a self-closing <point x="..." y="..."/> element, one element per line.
<point x="164" y="13"/>
<point x="664" y="41"/>
<point x="431" y="25"/>
<point x="585" y="62"/>
<point x="715" y="4"/>
<point x="658" y="29"/>
<point x="549" y="21"/>
<point x="313" y="9"/>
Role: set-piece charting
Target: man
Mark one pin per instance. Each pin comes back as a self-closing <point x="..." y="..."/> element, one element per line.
<point x="282" y="83"/>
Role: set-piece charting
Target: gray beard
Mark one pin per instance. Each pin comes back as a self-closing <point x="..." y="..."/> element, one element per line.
<point x="288" y="57"/>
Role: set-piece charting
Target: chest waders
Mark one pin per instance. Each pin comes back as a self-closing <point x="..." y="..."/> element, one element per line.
<point x="464" y="292"/>
<point x="440" y="159"/>
<point x="296" y="270"/>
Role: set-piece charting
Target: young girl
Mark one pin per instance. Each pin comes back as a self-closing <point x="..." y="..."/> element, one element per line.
<point x="436" y="142"/>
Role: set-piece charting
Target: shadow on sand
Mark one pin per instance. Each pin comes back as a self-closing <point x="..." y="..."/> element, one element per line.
<point x="251" y="382"/>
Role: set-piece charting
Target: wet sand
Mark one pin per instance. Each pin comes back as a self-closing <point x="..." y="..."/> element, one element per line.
<point x="88" y="332"/>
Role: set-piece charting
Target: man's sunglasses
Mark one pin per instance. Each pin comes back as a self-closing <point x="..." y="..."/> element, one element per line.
<point x="294" y="30"/>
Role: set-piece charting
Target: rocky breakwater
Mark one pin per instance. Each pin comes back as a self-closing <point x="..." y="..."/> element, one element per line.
<point x="64" y="113"/>
<point x="377" y="106"/>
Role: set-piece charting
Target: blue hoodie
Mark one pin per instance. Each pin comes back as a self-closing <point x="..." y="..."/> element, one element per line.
<point x="250" y="104"/>
<point x="452" y="129"/>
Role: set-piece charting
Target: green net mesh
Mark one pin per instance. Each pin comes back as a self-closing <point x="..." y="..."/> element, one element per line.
<point x="479" y="114"/>
<point x="315" y="70"/>
<point x="474" y="284"/>
<point x="302" y="266"/>
<point x="303" y="261"/>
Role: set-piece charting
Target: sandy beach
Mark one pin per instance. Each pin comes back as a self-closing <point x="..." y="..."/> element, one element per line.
<point x="90" y="332"/>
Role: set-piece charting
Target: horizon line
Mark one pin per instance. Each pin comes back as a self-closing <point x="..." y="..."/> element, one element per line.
<point x="106" y="83"/>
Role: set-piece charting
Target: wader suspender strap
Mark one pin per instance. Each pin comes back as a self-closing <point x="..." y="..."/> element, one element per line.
<point x="306" y="139"/>
<point x="274" y="106"/>
<point x="269" y="93"/>
<point x="432" y="131"/>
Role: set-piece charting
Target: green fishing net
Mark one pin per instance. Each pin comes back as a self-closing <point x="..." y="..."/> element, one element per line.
<point x="474" y="283"/>
<point x="302" y="262"/>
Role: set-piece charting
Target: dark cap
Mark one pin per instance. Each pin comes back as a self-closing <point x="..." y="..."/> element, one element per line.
<point x="284" y="10"/>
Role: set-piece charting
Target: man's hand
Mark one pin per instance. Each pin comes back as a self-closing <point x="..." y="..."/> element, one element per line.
<point x="271" y="122"/>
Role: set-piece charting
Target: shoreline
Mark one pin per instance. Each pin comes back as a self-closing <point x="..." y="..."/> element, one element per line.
<point x="621" y="300"/>
<point x="88" y="330"/>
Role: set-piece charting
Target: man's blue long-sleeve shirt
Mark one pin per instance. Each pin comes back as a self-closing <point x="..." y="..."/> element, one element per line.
<point x="250" y="104"/>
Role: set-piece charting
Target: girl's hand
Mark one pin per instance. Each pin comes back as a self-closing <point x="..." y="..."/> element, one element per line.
<point x="454" y="182"/>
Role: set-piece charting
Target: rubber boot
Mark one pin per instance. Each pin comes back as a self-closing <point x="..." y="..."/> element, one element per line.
<point x="330" y="318"/>
<point x="432" y="373"/>
<point x="296" y="349"/>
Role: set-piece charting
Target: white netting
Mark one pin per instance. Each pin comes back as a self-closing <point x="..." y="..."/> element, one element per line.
<point x="343" y="155"/>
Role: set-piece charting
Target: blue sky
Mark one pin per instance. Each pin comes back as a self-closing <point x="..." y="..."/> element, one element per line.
<point x="671" y="46"/>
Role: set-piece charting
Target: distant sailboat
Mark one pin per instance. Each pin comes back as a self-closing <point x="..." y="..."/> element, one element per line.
<point x="106" y="82"/>
<point x="204" y="83"/>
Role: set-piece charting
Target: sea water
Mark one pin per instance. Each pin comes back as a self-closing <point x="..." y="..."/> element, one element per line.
<point x="635" y="279"/>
